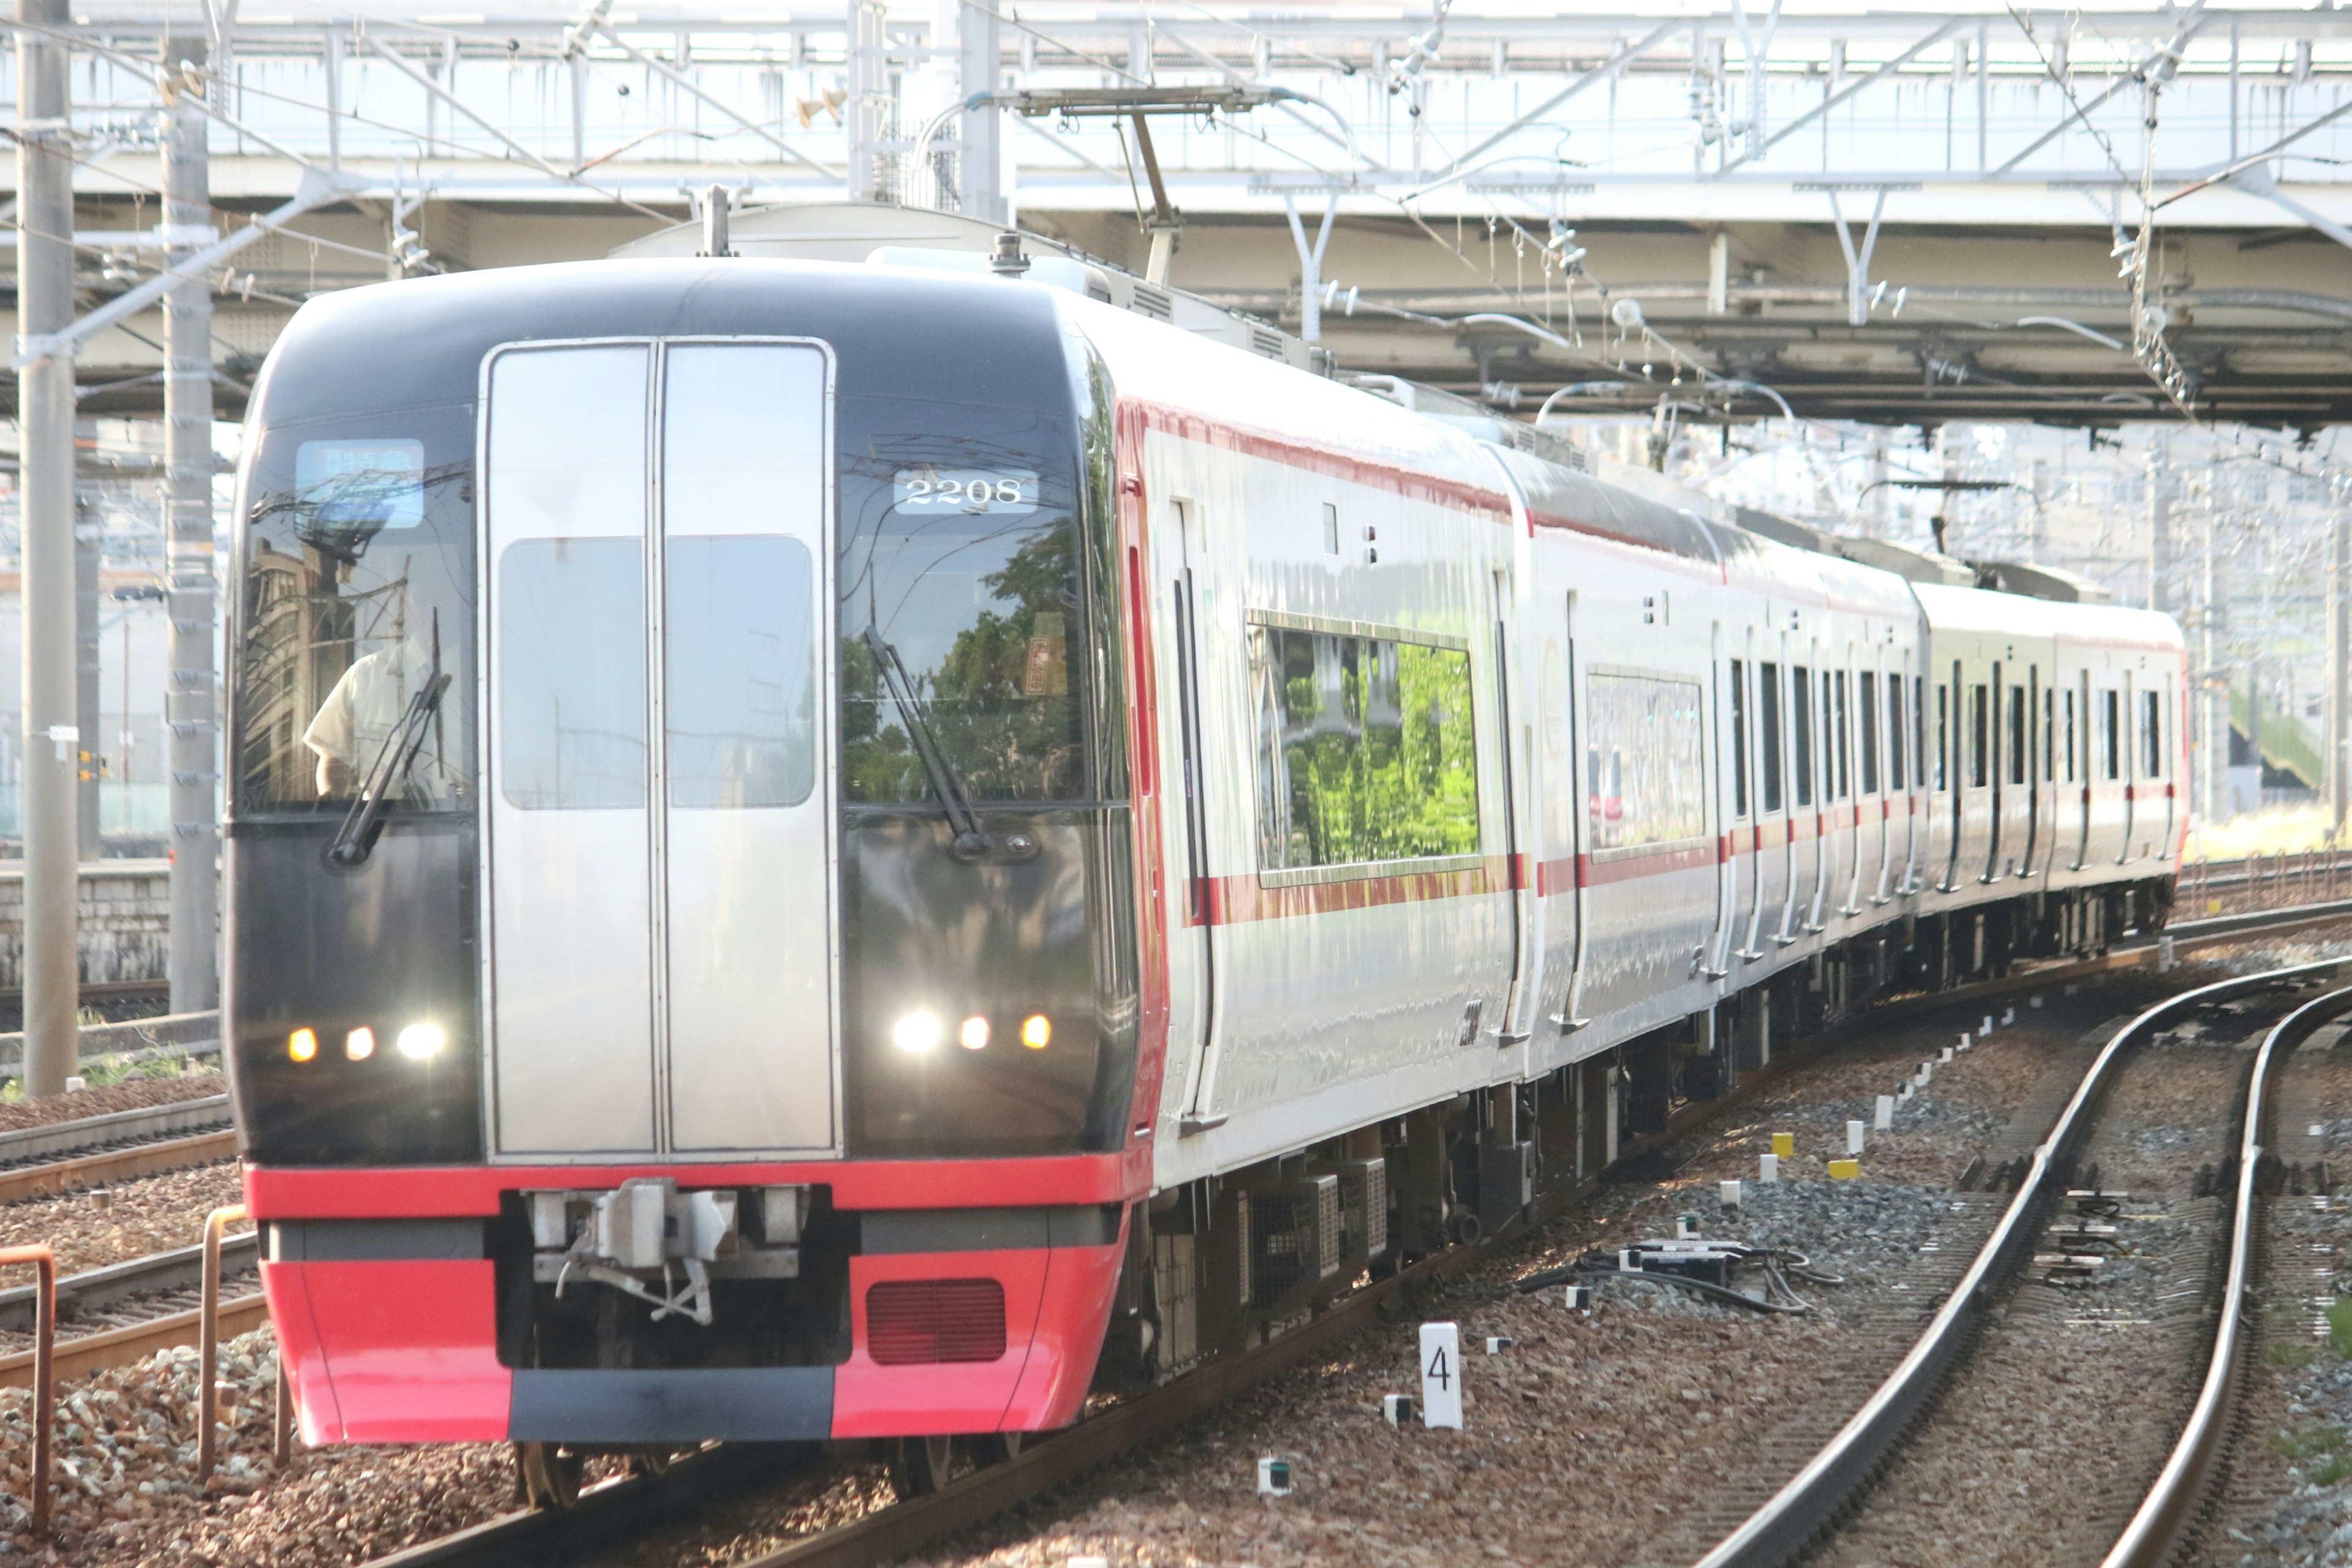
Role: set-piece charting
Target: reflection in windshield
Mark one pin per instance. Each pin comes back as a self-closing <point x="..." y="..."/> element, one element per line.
<point x="359" y="550"/>
<point x="981" y="603"/>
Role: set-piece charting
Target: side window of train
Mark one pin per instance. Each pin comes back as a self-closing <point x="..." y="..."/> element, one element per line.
<point x="2152" y="733"/>
<point x="1768" y="706"/>
<point x="1739" y="737"/>
<point x="1866" y="706"/>
<point x="2017" y="734"/>
<point x="1365" y="750"/>
<point x="1801" y="684"/>
<point x="1652" y="733"/>
<point x="2110" y="707"/>
<point x="1979" y="735"/>
<point x="1844" y="742"/>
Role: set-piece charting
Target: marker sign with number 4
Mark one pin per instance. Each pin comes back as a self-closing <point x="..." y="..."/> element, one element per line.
<point x="1441" y="1375"/>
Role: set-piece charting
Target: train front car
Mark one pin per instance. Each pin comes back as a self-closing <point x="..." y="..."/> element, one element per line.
<point x="682" y="979"/>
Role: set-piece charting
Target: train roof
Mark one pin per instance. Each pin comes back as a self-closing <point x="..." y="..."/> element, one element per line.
<point x="2014" y="616"/>
<point x="422" y="341"/>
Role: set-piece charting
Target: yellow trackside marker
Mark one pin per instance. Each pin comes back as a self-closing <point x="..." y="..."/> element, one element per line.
<point x="1785" y="1145"/>
<point x="1845" y="1170"/>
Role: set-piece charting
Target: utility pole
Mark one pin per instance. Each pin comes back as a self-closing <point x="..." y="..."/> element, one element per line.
<point x="2213" y="682"/>
<point x="188" y="544"/>
<point x="2160" y="596"/>
<point x="870" y="112"/>
<point x="45" y="304"/>
<point x="2339" y="654"/>
<point x="87" y="535"/>
<point x="979" y="170"/>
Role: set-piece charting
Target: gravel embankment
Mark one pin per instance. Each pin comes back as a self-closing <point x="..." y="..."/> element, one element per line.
<point x="126" y="1492"/>
<point x="131" y="1094"/>
<point x="144" y="1215"/>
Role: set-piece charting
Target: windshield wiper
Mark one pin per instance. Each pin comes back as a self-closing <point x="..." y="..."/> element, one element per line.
<point x="970" y="841"/>
<point x="355" y="840"/>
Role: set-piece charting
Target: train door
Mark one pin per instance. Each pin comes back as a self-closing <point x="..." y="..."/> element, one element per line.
<point x="2015" y="780"/>
<point x="1877" y="830"/>
<point x="1850" y="838"/>
<point x="2038" y="699"/>
<point x="660" y="894"/>
<point x="1978" y="842"/>
<point x="2127" y="701"/>
<point x="1744" y="836"/>
<point x="1519" y="757"/>
<point x="1989" y="735"/>
<point x="2102" y="793"/>
<point x="1776" y="853"/>
<point x="2152" y="803"/>
<point x="1945" y="807"/>
<point x="2074" y="791"/>
<point x="1907" y="721"/>
<point x="1804" y="803"/>
<point x="2157" y="702"/>
<point x="1192" y="933"/>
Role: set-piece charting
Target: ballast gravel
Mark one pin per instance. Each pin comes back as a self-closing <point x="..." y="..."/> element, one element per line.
<point x="131" y="1094"/>
<point x="126" y="1493"/>
<point x="140" y="1216"/>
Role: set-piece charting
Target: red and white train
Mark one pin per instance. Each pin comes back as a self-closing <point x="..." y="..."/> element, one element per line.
<point x="836" y="851"/>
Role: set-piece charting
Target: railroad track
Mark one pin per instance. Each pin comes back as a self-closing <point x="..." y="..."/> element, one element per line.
<point x="625" y="1508"/>
<point x="125" y="1312"/>
<point x="1870" y="1486"/>
<point x="92" y="1150"/>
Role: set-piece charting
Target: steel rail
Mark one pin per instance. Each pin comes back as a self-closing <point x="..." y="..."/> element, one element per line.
<point x="532" y="1538"/>
<point x="2148" y="1541"/>
<point x="1785" y="1526"/>
<point x="115" y="1127"/>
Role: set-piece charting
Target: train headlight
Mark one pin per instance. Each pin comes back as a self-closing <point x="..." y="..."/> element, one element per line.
<point x="917" y="1032"/>
<point x="974" y="1035"/>
<point x="302" y="1045"/>
<point x="1036" y="1031"/>
<point x="360" y="1044"/>
<point x="419" y="1041"/>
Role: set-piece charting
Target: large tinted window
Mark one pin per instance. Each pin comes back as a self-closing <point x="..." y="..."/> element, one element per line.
<point x="357" y="597"/>
<point x="1650" y="758"/>
<point x="1365" y="749"/>
<point x="959" y="551"/>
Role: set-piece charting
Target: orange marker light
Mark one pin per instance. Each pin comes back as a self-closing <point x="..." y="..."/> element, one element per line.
<point x="302" y="1045"/>
<point x="360" y="1044"/>
<point x="1036" y="1031"/>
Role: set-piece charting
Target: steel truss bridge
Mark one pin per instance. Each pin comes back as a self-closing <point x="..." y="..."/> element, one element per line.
<point x="2079" y="217"/>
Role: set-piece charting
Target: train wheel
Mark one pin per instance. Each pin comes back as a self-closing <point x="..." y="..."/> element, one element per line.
<point x="548" y="1476"/>
<point x="651" y="1462"/>
<point x="996" y="1447"/>
<point x="920" y="1466"/>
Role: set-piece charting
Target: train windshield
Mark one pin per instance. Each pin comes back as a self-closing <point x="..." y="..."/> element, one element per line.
<point x="958" y="560"/>
<point x="354" y="666"/>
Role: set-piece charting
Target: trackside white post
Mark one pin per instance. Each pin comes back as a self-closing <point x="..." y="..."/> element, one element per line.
<point x="1886" y="1112"/>
<point x="1441" y="1375"/>
<point x="1855" y="1135"/>
<point x="1768" y="1167"/>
